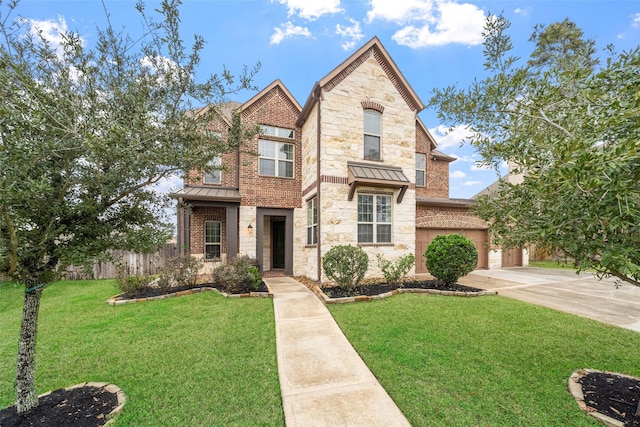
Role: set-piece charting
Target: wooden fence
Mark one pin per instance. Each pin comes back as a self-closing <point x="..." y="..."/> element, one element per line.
<point x="138" y="263"/>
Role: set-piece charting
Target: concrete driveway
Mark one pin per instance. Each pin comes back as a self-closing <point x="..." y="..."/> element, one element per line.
<point x="563" y="290"/>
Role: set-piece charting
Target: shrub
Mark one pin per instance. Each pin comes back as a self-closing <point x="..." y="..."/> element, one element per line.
<point x="345" y="265"/>
<point x="237" y="275"/>
<point x="394" y="271"/>
<point x="184" y="269"/>
<point x="451" y="256"/>
<point x="132" y="285"/>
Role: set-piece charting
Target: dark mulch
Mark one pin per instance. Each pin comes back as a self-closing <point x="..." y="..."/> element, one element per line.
<point x="372" y="289"/>
<point x="154" y="292"/>
<point x="81" y="407"/>
<point x="612" y="395"/>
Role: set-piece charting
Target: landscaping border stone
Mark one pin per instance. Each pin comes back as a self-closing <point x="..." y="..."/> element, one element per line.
<point x="575" y="388"/>
<point x="115" y="301"/>
<point x="362" y="298"/>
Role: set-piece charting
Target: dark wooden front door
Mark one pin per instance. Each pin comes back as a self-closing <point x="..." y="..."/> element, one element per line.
<point x="277" y="243"/>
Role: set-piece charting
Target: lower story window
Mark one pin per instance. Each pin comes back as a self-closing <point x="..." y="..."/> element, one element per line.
<point x="212" y="239"/>
<point x="374" y="218"/>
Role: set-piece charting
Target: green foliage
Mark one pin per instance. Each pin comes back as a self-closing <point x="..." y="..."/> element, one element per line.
<point x="237" y="275"/>
<point x="132" y="284"/>
<point x="451" y="256"/>
<point x="346" y="265"/>
<point x="571" y="127"/>
<point x="394" y="271"/>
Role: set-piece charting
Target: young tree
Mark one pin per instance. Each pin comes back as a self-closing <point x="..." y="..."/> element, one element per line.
<point x="85" y="133"/>
<point x="573" y="129"/>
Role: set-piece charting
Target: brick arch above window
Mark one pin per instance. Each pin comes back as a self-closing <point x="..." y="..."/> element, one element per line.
<point x="372" y="105"/>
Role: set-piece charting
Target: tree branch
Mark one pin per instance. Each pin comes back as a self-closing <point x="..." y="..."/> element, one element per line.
<point x="13" y="239"/>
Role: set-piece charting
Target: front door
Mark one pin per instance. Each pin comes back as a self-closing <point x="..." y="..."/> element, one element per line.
<point x="277" y="243"/>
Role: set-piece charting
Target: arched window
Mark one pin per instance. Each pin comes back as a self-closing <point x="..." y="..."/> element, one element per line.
<point x="372" y="131"/>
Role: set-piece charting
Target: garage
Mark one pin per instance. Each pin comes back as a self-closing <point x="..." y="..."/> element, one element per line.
<point x="511" y="257"/>
<point x="424" y="236"/>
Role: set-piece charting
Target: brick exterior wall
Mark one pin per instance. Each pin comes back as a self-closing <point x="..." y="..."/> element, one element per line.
<point x="447" y="217"/>
<point x="198" y="217"/>
<point x="437" y="174"/>
<point x="275" y="109"/>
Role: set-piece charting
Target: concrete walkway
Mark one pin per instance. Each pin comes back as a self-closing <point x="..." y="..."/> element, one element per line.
<point x="323" y="380"/>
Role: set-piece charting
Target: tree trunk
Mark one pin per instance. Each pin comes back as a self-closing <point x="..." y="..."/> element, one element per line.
<point x="27" y="399"/>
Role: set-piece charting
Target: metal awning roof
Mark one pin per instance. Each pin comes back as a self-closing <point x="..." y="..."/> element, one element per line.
<point x="376" y="176"/>
<point x="211" y="194"/>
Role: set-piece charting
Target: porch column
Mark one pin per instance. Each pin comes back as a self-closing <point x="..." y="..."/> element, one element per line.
<point x="232" y="231"/>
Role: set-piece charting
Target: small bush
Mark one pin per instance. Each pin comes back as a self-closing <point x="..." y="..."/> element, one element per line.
<point x="184" y="269"/>
<point x="239" y="274"/>
<point x="345" y="265"/>
<point x="132" y="285"/>
<point x="450" y="257"/>
<point x="394" y="271"/>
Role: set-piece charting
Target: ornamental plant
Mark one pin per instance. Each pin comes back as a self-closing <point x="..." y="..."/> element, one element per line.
<point x="394" y="271"/>
<point x="450" y="257"/>
<point x="346" y="265"/>
<point x="237" y="275"/>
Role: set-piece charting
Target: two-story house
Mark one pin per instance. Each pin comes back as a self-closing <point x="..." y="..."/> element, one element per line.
<point x="353" y="165"/>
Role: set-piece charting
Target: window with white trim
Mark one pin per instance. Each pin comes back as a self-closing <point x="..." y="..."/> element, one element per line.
<point x="374" y="218"/>
<point x="277" y="131"/>
<point x="421" y="169"/>
<point x="212" y="239"/>
<point x="276" y="159"/>
<point x="372" y="121"/>
<point x="312" y="221"/>
<point x="214" y="175"/>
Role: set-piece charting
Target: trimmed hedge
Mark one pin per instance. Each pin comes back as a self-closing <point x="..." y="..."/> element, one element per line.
<point x="450" y="257"/>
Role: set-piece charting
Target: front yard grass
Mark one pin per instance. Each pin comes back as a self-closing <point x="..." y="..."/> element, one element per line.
<point x="195" y="360"/>
<point x="487" y="361"/>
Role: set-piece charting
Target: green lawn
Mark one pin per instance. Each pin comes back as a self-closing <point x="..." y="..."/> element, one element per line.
<point x="553" y="264"/>
<point x="196" y="360"/>
<point x="487" y="361"/>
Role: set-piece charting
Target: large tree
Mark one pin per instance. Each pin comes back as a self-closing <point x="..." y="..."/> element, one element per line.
<point x="85" y="133"/>
<point x="572" y="127"/>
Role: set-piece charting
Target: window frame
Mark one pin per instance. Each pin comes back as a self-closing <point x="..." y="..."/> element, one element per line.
<point x="216" y="162"/>
<point x="371" y="134"/>
<point x="423" y="171"/>
<point x="218" y="244"/>
<point x="312" y="221"/>
<point x="375" y="223"/>
<point x="277" y="131"/>
<point x="276" y="159"/>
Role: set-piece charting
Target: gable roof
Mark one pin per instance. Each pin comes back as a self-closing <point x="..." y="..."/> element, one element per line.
<point x="372" y="48"/>
<point x="276" y="84"/>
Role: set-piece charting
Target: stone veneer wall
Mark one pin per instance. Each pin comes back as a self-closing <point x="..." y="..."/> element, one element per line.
<point x="246" y="237"/>
<point x="342" y="141"/>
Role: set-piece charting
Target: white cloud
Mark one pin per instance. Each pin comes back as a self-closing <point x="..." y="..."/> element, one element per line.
<point x="458" y="174"/>
<point x="471" y="183"/>
<point x="288" y="30"/>
<point x="352" y="34"/>
<point x="311" y="9"/>
<point x="521" y="11"/>
<point x="431" y="23"/>
<point x="51" y="31"/>
<point x="446" y="138"/>
<point x="635" y="22"/>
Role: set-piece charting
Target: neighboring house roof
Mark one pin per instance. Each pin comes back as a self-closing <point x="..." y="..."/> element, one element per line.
<point x="377" y="176"/>
<point x="275" y="84"/>
<point x="443" y="201"/>
<point x="374" y="46"/>
<point x="439" y="155"/>
<point x="202" y="193"/>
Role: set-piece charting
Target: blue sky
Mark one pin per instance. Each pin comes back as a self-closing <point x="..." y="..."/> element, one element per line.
<point x="435" y="43"/>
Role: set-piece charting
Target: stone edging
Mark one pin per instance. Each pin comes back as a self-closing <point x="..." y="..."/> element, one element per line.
<point x="114" y="301"/>
<point x="361" y="298"/>
<point x="111" y="388"/>
<point x="576" y="390"/>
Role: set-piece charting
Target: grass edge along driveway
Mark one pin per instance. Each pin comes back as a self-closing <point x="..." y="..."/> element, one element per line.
<point x="487" y="361"/>
<point x="195" y="360"/>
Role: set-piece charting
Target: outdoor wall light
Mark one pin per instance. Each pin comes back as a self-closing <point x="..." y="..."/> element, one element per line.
<point x="249" y="227"/>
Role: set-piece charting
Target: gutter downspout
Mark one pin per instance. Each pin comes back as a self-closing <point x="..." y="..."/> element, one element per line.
<point x="318" y="134"/>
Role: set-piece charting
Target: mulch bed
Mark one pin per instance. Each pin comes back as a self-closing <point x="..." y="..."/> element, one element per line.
<point x="612" y="395"/>
<point x="86" y="406"/>
<point x="154" y="292"/>
<point x="373" y="289"/>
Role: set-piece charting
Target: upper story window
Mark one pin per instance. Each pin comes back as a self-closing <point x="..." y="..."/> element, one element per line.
<point x="421" y="169"/>
<point x="276" y="158"/>
<point x="374" y="218"/>
<point x="312" y="221"/>
<point x="213" y="176"/>
<point x="276" y="131"/>
<point x="372" y="124"/>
